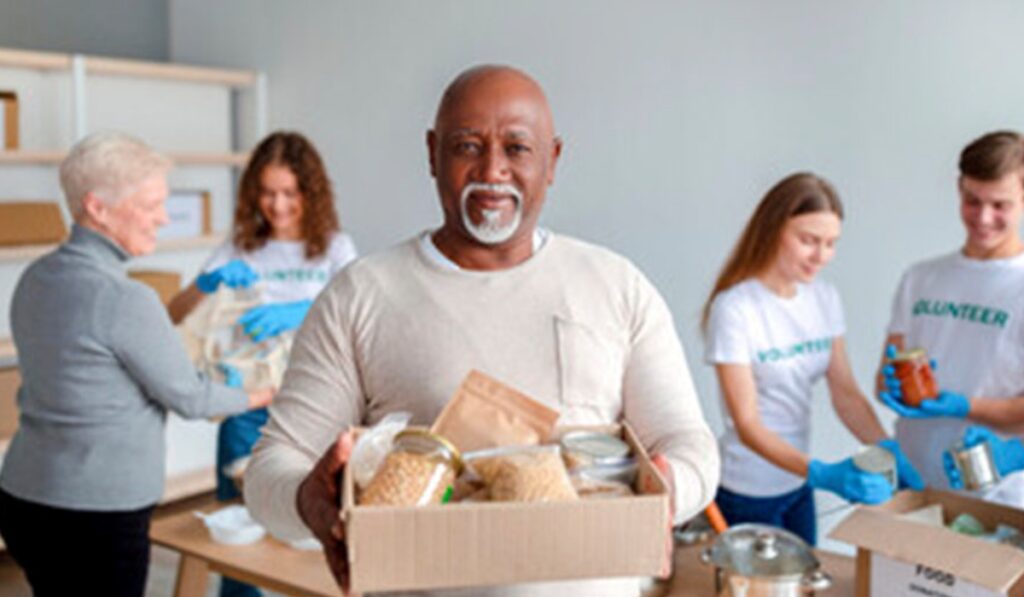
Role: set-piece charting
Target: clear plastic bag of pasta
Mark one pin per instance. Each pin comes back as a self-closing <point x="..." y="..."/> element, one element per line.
<point x="523" y="474"/>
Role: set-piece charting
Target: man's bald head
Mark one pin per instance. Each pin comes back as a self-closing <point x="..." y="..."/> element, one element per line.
<point x="493" y="152"/>
<point x="497" y="80"/>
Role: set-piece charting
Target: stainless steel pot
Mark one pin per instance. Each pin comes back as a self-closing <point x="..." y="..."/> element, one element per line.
<point x="756" y="560"/>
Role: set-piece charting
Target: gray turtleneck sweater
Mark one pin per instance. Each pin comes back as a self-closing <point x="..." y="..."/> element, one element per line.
<point x="101" y="365"/>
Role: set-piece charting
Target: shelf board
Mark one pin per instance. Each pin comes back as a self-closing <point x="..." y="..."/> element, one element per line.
<point x="36" y="60"/>
<point x="99" y="65"/>
<point x="182" y="158"/>
<point x="32" y="156"/>
<point x="27" y="252"/>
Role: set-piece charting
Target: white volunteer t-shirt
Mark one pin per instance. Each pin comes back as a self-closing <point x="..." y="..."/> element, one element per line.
<point x="285" y="273"/>
<point x="969" y="315"/>
<point x="787" y="342"/>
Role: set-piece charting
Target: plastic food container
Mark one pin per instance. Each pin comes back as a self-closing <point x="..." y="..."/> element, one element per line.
<point x="917" y="381"/>
<point x="419" y="470"/>
<point x="588" y="448"/>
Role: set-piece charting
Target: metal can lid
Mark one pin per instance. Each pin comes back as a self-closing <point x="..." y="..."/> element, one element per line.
<point x="435" y="439"/>
<point x="875" y="459"/>
<point x="600" y="447"/>
<point x="911" y="354"/>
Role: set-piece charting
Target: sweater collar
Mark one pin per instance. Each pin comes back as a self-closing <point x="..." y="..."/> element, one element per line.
<point x="95" y="244"/>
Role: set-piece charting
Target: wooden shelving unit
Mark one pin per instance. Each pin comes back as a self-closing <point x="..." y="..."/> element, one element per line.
<point x="190" y="158"/>
<point x="82" y="80"/>
<point x="28" y="252"/>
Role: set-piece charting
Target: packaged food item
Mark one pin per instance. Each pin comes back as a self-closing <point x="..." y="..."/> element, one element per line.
<point x="976" y="465"/>
<point x="594" y="487"/>
<point x="523" y="474"/>
<point x="485" y="413"/>
<point x="878" y="460"/>
<point x="620" y="471"/>
<point x="373" y="446"/>
<point x="917" y="380"/>
<point x="419" y="470"/>
<point x="588" y="448"/>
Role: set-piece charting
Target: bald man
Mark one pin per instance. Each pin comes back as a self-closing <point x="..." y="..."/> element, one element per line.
<point x="571" y="324"/>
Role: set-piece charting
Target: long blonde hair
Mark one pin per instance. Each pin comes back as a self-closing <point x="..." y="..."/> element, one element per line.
<point x="796" y="195"/>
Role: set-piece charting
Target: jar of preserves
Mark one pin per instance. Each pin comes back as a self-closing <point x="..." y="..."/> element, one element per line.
<point x="419" y="470"/>
<point x="914" y="372"/>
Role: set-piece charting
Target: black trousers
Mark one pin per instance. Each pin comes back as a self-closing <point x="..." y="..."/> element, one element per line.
<point x="68" y="552"/>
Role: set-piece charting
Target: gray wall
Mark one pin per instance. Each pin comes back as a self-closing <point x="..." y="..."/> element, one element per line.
<point x="123" y="28"/>
<point x="677" y="116"/>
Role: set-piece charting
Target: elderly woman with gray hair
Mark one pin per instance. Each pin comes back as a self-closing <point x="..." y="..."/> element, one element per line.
<point x="101" y="365"/>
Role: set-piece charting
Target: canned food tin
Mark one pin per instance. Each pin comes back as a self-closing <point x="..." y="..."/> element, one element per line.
<point x="876" y="459"/>
<point x="586" y="448"/>
<point x="976" y="465"/>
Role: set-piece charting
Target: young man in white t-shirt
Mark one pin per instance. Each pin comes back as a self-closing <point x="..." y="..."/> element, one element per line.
<point x="965" y="310"/>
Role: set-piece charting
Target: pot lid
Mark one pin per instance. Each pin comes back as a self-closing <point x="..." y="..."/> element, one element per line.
<point x="762" y="550"/>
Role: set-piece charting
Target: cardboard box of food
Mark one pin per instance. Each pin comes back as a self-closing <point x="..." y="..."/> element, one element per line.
<point x="165" y="283"/>
<point x="31" y="223"/>
<point x="899" y="555"/>
<point x="497" y="543"/>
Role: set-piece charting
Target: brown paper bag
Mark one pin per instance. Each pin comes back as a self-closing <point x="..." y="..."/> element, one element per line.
<point x="485" y="413"/>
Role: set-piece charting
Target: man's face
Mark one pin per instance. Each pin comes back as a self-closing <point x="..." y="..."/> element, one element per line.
<point x="991" y="213"/>
<point x="133" y="221"/>
<point x="493" y="154"/>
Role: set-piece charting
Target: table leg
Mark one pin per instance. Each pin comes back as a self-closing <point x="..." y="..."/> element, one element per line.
<point x="193" y="576"/>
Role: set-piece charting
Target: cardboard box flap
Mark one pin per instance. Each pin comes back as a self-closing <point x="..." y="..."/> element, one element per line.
<point x="993" y="566"/>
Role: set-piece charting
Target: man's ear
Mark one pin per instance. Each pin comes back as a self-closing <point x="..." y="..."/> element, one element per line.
<point x="556" y="152"/>
<point x="431" y="147"/>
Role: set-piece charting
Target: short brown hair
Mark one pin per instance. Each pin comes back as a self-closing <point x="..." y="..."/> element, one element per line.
<point x="796" y="195"/>
<point x="993" y="156"/>
<point x="319" y="218"/>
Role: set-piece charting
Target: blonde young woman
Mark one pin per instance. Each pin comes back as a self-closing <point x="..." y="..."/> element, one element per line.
<point x="772" y="329"/>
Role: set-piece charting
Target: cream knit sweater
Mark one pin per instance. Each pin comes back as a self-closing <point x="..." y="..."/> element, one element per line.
<point x="575" y="326"/>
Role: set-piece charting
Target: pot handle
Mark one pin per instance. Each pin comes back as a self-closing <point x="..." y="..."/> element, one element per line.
<point x="705" y="555"/>
<point x="815" y="580"/>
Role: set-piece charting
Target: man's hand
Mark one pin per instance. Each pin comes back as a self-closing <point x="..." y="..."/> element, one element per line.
<point x="661" y="463"/>
<point x="319" y="501"/>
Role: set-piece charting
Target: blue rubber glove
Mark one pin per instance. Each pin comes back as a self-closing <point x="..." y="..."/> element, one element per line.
<point x="1008" y="454"/>
<point x="232" y="376"/>
<point x="905" y="472"/>
<point x="267" y="321"/>
<point x="946" y="404"/>
<point x="844" y="479"/>
<point x="236" y="274"/>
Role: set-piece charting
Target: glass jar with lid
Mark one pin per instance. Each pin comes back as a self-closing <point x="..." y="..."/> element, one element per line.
<point x="419" y="470"/>
<point x="914" y="372"/>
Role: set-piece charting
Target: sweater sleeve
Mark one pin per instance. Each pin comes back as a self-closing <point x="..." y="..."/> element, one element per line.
<point x="320" y="397"/>
<point x="151" y="351"/>
<point x="660" y="403"/>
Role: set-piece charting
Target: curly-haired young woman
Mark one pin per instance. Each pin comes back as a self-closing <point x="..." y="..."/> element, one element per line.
<point x="286" y="234"/>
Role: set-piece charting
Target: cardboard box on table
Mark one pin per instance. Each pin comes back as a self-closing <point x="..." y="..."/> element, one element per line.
<point x="498" y="543"/>
<point x="897" y="556"/>
<point x="165" y="283"/>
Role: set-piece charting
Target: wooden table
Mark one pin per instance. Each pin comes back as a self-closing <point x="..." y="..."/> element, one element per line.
<point x="278" y="567"/>
<point x="692" y="578"/>
<point x="267" y="563"/>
